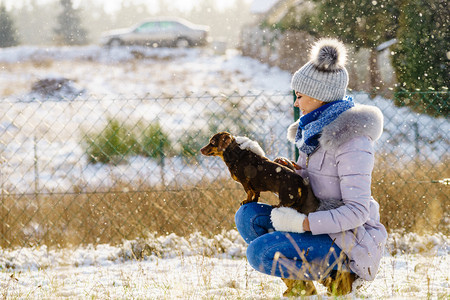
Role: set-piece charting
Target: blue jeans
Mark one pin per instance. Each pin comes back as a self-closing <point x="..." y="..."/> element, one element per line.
<point x="301" y="256"/>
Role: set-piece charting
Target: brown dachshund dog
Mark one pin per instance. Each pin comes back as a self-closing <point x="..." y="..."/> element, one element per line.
<point x="257" y="174"/>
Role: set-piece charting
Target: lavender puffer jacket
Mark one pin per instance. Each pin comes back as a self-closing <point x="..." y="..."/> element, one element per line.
<point x="341" y="168"/>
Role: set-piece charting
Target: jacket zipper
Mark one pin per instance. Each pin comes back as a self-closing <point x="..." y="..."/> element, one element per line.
<point x="308" y="155"/>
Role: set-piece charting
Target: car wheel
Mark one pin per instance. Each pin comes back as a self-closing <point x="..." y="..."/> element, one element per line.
<point x="115" y="43"/>
<point x="182" y="43"/>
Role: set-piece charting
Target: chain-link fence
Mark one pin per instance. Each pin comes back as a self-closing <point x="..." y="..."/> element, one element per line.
<point x="104" y="169"/>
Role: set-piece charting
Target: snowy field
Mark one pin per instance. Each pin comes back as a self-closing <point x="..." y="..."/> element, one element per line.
<point x="141" y="85"/>
<point x="173" y="267"/>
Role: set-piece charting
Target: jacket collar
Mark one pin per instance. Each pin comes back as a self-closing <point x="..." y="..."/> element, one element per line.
<point x="360" y="120"/>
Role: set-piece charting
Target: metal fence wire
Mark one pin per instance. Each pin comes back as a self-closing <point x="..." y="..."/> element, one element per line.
<point x="103" y="169"/>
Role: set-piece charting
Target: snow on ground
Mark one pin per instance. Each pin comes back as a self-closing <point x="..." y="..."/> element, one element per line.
<point x="114" y="83"/>
<point x="196" y="267"/>
<point x="133" y="84"/>
<point x="172" y="267"/>
<point x="137" y="71"/>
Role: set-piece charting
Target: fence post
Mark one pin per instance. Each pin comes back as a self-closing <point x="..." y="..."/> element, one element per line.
<point x="36" y="170"/>
<point x="161" y="161"/>
<point x="3" y="226"/>
<point x="39" y="214"/>
<point x="296" y="117"/>
<point x="416" y="138"/>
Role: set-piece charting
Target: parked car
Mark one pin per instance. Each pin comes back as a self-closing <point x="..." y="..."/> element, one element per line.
<point x="159" y="32"/>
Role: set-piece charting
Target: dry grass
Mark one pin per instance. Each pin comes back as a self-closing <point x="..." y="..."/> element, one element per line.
<point x="408" y="201"/>
<point x="18" y="80"/>
<point x="408" y="198"/>
<point x="120" y="213"/>
<point x="15" y="84"/>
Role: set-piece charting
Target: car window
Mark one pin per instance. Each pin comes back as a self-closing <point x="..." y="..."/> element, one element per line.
<point x="148" y="27"/>
<point x="167" y="25"/>
<point x="180" y="26"/>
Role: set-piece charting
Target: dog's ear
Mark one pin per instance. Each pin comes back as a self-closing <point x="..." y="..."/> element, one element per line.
<point x="224" y="142"/>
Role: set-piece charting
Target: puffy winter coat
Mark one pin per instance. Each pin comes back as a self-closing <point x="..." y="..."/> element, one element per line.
<point x="341" y="168"/>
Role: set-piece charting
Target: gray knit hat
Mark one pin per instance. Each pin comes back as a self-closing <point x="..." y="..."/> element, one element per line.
<point x="324" y="77"/>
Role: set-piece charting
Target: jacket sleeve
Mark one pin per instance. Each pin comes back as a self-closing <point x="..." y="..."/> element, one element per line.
<point x="354" y="162"/>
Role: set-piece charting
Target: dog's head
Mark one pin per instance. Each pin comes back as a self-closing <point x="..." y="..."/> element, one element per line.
<point x="217" y="144"/>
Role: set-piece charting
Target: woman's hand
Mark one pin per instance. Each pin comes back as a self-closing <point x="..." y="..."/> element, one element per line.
<point x="287" y="163"/>
<point x="288" y="219"/>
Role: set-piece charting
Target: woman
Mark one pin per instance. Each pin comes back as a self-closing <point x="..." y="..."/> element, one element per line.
<point x="343" y="240"/>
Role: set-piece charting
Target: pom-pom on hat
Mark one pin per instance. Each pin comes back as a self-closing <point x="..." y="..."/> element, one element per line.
<point x="324" y="77"/>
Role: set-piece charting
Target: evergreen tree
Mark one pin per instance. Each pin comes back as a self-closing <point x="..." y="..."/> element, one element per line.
<point x="69" y="30"/>
<point x="363" y="23"/>
<point x="8" y="36"/>
<point x="421" y="58"/>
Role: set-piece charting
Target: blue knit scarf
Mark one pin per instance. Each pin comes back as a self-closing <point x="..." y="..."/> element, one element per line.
<point x="311" y="125"/>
